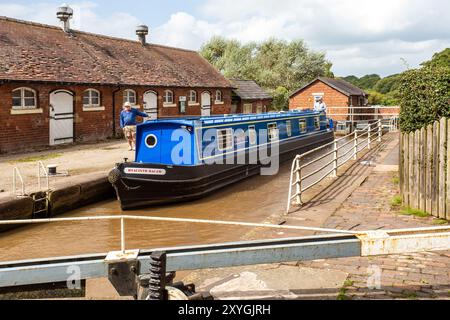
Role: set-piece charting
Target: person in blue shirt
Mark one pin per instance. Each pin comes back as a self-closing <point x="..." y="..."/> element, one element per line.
<point x="128" y="123"/>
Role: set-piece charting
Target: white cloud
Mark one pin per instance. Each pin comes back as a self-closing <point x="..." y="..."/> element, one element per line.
<point x="359" y="36"/>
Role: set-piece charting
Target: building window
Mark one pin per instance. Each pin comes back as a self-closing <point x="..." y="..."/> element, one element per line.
<point x="259" y="109"/>
<point x="219" y="97"/>
<point x="252" y="135"/>
<point x="24" y="98"/>
<point x="225" y="139"/>
<point x="129" y="96"/>
<point x="248" y="108"/>
<point x="302" y="125"/>
<point x="168" y="97"/>
<point x="192" y="96"/>
<point x="273" y="131"/>
<point x="91" y="98"/>
<point x="289" y="128"/>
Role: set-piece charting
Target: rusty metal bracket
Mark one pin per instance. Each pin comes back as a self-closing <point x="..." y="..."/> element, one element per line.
<point x="123" y="271"/>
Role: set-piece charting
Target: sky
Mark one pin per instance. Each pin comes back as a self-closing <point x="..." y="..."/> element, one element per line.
<point x="358" y="36"/>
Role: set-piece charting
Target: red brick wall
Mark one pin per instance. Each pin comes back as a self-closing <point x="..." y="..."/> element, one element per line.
<point x="27" y="131"/>
<point x="305" y="100"/>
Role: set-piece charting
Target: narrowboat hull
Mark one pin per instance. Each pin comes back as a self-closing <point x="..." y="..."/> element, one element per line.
<point x="141" y="185"/>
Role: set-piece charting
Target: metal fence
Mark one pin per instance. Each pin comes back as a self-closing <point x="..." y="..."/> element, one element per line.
<point x="343" y="150"/>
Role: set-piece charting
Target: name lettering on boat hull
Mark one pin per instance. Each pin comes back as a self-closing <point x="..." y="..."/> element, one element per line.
<point x="145" y="171"/>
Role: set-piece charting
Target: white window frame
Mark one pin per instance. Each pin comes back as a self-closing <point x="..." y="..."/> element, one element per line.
<point x="244" y="107"/>
<point x="252" y="136"/>
<point x="193" y="93"/>
<point x="22" y="99"/>
<point x="305" y="129"/>
<point x="271" y="130"/>
<point x="90" y="104"/>
<point x="259" y="109"/>
<point x="289" y="128"/>
<point x="126" y="96"/>
<point x="219" y="97"/>
<point x="229" y="139"/>
<point x="172" y="95"/>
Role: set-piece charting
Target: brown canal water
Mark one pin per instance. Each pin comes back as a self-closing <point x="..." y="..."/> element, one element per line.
<point x="252" y="200"/>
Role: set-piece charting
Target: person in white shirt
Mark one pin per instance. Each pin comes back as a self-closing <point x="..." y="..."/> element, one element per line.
<point x="319" y="105"/>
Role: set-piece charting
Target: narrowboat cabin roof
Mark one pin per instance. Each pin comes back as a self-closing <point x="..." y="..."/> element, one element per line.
<point x="235" y="118"/>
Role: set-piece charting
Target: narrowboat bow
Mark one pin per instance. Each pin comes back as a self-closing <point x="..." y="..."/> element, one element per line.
<point x="185" y="159"/>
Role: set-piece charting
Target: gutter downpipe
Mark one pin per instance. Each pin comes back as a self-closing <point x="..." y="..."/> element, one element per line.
<point x="114" y="109"/>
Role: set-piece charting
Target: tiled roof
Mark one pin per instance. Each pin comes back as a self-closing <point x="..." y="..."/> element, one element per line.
<point x="249" y="90"/>
<point x="36" y="52"/>
<point x="340" y="85"/>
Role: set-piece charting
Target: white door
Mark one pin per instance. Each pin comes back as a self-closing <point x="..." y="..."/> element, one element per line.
<point x="61" y="117"/>
<point x="151" y="104"/>
<point x="206" y="104"/>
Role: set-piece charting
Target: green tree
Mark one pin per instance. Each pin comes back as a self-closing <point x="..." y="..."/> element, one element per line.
<point x="272" y="64"/>
<point x="280" y="99"/>
<point x="424" y="97"/>
<point x="440" y="59"/>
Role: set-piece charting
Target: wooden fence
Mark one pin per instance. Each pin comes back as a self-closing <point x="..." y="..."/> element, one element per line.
<point x="425" y="169"/>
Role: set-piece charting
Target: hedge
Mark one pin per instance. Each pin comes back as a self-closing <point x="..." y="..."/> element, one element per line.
<point x="424" y="97"/>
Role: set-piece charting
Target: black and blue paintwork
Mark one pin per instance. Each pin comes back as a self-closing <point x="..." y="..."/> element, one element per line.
<point x="157" y="176"/>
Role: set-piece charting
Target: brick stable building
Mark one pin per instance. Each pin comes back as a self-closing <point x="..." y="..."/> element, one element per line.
<point x="249" y="97"/>
<point x="339" y="96"/>
<point x="60" y="86"/>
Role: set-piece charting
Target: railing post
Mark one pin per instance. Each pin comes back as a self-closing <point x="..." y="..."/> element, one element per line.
<point x="122" y="234"/>
<point x="335" y="159"/>
<point x="355" y="146"/>
<point x="370" y="136"/>
<point x="380" y="131"/>
<point x="298" y="184"/>
<point x="14" y="181"/>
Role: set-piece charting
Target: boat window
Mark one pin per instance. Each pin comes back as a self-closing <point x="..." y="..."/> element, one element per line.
<point x="151" y="141"/>
<point x="289" y="128"/>
<point x="302" y="125"/>
<point x="225" y="139"/>
<point x="317" y="123"/>
<point x="252" y="134"/>
<point x="273" y="131"/>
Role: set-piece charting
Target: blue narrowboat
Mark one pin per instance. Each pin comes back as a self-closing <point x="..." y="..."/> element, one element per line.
<point x="188" y="158"/>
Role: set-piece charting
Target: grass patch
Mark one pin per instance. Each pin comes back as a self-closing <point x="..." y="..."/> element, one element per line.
<point x="40" y="158"/>
<point x="343" y="295"/>
<point x="348" y="283"/>
<point x="439" y="222"/>
<point x="414" y="212"/>
<point x="395" y="180"/>
<point x="396" y="201"/>
<point x="409" y="295"/>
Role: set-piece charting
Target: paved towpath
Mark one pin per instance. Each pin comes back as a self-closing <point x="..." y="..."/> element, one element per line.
<point x="360" y="199"/>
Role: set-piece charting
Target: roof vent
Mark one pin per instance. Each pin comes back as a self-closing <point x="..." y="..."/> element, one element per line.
<point x="142" y="32"/>
<point x="65" y="13"/>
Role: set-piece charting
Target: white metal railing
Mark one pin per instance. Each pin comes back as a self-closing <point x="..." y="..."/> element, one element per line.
<point x="178" y="220"/>
<point x="41" y="169"/>
<point x="364" y="138"/>
<point x="20" y="192"/>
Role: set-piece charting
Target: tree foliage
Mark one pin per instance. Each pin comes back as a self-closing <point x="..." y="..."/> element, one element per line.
<point x="440" y="59"/>
<point x="276" y="65"/>
<point x="424" y="96"/>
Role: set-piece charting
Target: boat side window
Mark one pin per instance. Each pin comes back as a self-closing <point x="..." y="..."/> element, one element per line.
<point x="225" y="139"/>
<point x="252" y="135"/>
<point x="289" y="128"/>
<point x="302" y="125"/>
<point x="317" y="123"/>
<point x="273" y="131"/>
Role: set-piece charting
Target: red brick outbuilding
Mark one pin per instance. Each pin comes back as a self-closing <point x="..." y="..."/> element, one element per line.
<point x="62" y="86"/>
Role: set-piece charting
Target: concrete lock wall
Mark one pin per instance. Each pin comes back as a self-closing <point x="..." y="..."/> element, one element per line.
<point x="79" y="192"/>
